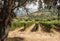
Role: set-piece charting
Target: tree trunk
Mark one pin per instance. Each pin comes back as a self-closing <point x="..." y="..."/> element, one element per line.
<point x="5" y="19"/>
<point x="5" y="24"/>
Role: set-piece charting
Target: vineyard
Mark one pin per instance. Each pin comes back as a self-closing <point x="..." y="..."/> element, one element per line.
<point x="27" y="30"/>
<point x="35" y="27"/>
<point x="47" y="25"/>
<point x="29" y="20"/>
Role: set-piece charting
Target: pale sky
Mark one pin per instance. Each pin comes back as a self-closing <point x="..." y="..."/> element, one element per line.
<point x="31" y="8"/>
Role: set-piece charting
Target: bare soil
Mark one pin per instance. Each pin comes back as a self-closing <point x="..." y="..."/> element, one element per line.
<point x="27" y="35"/>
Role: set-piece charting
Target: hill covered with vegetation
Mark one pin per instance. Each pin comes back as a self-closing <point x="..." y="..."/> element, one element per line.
<point x="47" y="19"/>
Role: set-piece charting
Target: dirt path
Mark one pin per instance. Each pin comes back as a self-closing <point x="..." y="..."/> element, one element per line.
<point x="39" y="29"/>
<point x="34" y="36"/>
<point x="29" y="28"/>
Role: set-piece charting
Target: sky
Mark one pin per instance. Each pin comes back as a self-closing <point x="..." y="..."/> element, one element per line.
<point x="20" y="12"/>
<point x="31" y="8"/>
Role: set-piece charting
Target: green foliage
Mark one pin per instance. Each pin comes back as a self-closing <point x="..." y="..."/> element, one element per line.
<point x="43" y="15"/>
<point x="17" y="24"/>
<point x="46" y="17"/>
<point x="27" y="24"/>
<point x="48" y="25"/>
<point x="57" y="24"/>
<point x="21" y="24"/>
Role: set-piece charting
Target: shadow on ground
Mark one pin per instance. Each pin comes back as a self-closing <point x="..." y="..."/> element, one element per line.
<point x="15" y="39"/>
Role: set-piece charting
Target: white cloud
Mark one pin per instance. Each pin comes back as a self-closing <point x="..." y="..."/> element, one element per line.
<point x="32" y="7"/>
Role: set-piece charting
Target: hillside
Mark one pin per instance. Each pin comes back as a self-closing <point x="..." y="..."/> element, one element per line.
<point x="40" y="16"/>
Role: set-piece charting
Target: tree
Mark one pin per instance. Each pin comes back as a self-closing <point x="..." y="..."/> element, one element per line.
<point x="7" y="15"/>
<point x="54" y="4"/>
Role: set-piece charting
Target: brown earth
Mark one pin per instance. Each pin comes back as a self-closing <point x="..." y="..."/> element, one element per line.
<point x="27" y="35"/>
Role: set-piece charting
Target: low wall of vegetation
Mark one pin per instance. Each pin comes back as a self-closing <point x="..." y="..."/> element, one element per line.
<point x="48" y="25"/>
